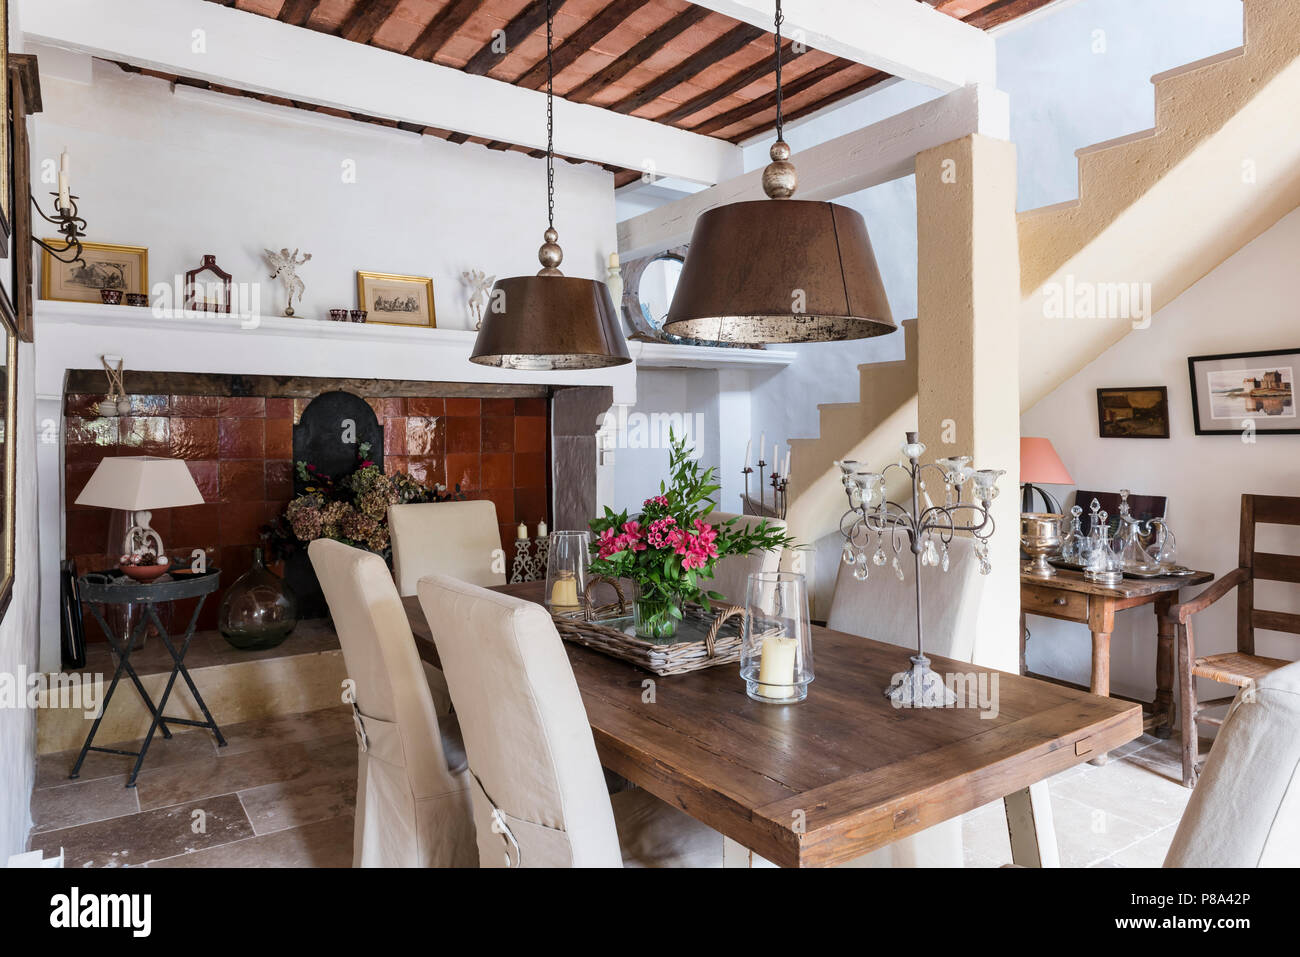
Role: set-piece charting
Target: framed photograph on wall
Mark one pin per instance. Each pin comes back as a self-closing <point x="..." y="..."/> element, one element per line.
<point x="396" y="300"/>
<point x="1234" y="389"/>
<point x="124" y="268"/>
<point x="1136" y="412"/>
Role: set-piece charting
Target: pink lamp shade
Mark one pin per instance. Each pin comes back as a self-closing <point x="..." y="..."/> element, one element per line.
<point x="137" y="483"/>
<point x="1039" y="463"/>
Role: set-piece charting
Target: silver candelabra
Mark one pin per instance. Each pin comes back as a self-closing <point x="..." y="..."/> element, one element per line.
<point x="927" y="530"/>
<point x="778" y="483"/>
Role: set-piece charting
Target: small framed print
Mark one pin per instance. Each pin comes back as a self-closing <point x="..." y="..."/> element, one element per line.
<point x="124" y="268"/>
<point x="396" y="300"/>
<point x="1139" y="412"/>
<point x="1237" y="391"/>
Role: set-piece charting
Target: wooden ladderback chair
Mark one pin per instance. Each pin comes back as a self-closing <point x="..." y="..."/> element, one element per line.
<point x="1243" y="667"/>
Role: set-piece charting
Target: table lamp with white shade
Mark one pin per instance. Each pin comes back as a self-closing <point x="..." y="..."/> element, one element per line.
<point x="139" y="484"/>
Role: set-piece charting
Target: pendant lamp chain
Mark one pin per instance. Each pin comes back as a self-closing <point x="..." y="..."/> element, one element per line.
<point x="550" y="118"/>
<point x="780" y="118"/>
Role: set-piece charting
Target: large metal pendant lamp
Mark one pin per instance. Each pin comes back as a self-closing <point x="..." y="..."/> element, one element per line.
<point x="779" y="269"/>
<point x="550" y="321"/>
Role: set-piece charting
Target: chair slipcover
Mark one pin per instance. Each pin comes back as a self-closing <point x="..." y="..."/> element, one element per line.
<point x="538" y="792"/>
<point x="884" y="608"/>
<point x="413" y="804"/>
<point x="1245" y="811"/>
<point x="731" y="574"/>
<point x="460" y="539"/>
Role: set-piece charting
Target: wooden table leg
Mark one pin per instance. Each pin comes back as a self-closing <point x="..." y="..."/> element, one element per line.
<point x="1029" y="825"/>
<point x="1162" y="709"/>
<point x="1187" y="692"/>
<point x="1101" y="622"/>
<point x="1023" y="638"/>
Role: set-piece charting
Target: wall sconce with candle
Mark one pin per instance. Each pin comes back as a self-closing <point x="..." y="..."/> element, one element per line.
<point x="70" y="225"/>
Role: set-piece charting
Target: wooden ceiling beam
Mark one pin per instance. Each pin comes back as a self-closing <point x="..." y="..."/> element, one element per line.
<point x="767" y="101"/>
<point x="792" y="115"/>
<point x="724" y="46"/>
<point x="580" y="41"/>
<point x="442" y="28"/>
<point x="366" y="18"/>
<point x="738" y="81"/>
<point x="643" y="50"/>
<point x="517" y="30"/>
<point x="298" y="12"/>
<point x="1001" y="11"/>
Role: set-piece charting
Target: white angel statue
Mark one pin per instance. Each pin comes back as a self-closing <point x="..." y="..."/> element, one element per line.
<point x="285" y="265"/>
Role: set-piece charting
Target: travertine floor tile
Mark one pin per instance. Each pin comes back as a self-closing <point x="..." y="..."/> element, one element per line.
<point x="52" y="770"/>
<point x="80" y="802"/>
<point x="322" y="844"/>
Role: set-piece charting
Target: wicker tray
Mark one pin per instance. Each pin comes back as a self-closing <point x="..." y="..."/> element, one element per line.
<point x="703" y="640"/>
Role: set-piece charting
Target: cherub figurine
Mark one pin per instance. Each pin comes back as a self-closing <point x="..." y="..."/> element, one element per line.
<point x="285" y="265"/>
<point x="480" y="286"/>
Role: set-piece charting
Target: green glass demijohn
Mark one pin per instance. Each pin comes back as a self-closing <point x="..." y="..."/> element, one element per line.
<point x="259" y="610"/>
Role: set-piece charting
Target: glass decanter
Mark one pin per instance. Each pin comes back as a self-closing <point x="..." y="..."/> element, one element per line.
<point x="1072" y="544"/>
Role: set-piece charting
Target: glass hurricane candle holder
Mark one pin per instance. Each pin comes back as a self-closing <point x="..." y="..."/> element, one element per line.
<point x="567" y="559"/>
<point x="776" y="659"/>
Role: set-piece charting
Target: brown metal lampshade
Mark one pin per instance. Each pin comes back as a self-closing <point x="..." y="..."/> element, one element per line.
<point x="551" y="322"/>
<point x="780" y="270"/>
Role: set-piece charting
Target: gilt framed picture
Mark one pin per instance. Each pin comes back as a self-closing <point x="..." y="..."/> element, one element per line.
<point x="8" y="188"/>
<point x="104" y="266"/>
<point x="1137" y="412"/>
<point x="396" y="300"/>
<point x="1245" y="391"/>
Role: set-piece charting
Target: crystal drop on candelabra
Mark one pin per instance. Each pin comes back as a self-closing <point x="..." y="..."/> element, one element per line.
<point x="860" y="572"/>
<point x="880" y="557"/>
<point x="898" y="568"/>
<point x="985" y="566"/>
<point x="930" y="555"/>
<point x="847" y="554"/>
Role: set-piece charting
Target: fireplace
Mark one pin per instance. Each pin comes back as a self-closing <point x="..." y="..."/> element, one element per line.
<point x="237" y="435"/>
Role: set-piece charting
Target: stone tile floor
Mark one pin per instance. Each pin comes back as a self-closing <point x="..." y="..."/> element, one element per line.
<point x="282" y="792"/>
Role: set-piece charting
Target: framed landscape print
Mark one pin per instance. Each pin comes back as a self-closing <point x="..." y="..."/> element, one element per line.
<point x="396" y="300"/>
<point x="1231" y="389"/>
<point x="125" y="268"/>
<point x="1139" y="412"/>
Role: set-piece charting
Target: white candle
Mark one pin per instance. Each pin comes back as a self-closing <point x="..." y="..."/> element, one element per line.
<point x="64" y="161"/>
<point x="65" y="197"/>
<point x="541" y="529"/>
<point x="762" y="441"/>
<point x="776" y="667"/>
<point x="776" y="457"/>
<point x="786" y="468"/>
<point x="521" y="532"/>
<point x="613" y="260"/>
<point x="749" y="445"/>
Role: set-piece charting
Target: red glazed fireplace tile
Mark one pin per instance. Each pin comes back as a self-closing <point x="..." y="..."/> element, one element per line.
<point x="426" y="406"/>
<point x="195" y="526"/>
<point x="531" y="506"/>
<point x="242" y="481"/>
<point x="75" y="477"/>
<point x="149" y="404"/>
<point x="233" y="560"/>
<point x="241" y="522"/>
<point x="203" y="405"/>
<point x="82" y="405"/>
<point x="498" y="470"/>
<point x="394" y="436"/>
<point x="460" y="406"/>
<point x="498" y="406"/>
<point x="387" y="407"/>
<point x="530" y="470"/>
<point x="504" y="500"/>
<point x="194" y="438"/>
<point x="530" y="407"/>
<point x="242" y="438"/>
<point x="508" y="534"/>
<point x="89" y="440"/>
<point x="425" y="436"/>
<point x="206" y="478"/>
<point x="242" y="407"/>
<point x="498" y="433"/>
<point x="87" y="530"/>
<point x="395" y="463"/>
<point x="463" y="470"/>
<point x="427" y="469"/>
<point x="530" y="434"/>
<point x="463" y="434"/>
<point x="279" y="481"/>
<point x="279" y="438"/>
<point x="147" y="435"/>
<point x="279" y="409"/>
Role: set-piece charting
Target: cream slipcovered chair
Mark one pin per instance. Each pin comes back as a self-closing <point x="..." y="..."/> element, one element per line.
<point x="884" y="608"/>
<point x="460" y="539"/>
<point x="732" y="573"/>
<point x="413" y="803"/>
<point x="1245" y="811"/>
<point x="538" y="792"/>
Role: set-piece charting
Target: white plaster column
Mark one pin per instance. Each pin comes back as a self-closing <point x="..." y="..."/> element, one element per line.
<point x="968" y="347"/>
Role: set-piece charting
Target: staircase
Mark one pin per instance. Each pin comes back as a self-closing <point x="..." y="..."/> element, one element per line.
<point x="1157" y="211"/>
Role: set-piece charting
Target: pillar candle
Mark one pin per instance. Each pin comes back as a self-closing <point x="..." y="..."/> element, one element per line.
<point x="541" y="529"/>
<point x="564" y="592"/>
<point x="521" y="532"/>
<point x="776" y="667"/>
<point x="613" y="260"/>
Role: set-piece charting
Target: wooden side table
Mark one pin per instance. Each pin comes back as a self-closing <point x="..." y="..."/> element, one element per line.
<point x="1068" y="597"/>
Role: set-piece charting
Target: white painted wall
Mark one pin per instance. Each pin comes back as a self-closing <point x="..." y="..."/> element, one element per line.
<point x="18" y="632"/>
<point x="195" y="172"/>
<point x="1248" y="303"/>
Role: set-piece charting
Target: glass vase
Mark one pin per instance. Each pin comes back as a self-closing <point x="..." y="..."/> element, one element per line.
<point x="656" y="617"/>
<point x="567" y="558"/>
<point x="259" y="610"/>
<point x="776" y="658"/>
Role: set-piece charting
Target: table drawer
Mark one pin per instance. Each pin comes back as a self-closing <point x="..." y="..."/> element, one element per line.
<point x="1053" y="602"/>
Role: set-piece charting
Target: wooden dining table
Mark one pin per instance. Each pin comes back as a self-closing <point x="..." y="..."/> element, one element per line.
<point x="844" y="772"/>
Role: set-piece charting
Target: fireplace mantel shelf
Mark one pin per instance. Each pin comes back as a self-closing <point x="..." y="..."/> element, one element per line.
<point x="166" y="340"/>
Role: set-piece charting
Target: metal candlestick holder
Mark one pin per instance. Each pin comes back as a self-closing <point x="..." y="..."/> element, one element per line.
<point x="927" y="530"/>
<point x="71" y="227"/>
<point x="529" y="563"/>
<point x="778" y="483"/>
